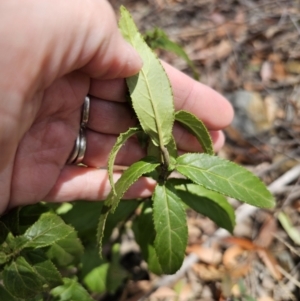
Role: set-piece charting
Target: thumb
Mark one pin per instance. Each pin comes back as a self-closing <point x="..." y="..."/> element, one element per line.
<point x="44" y="40"/>
<point x="111" y="56"/>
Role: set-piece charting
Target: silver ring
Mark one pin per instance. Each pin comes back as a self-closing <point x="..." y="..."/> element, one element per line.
<point x="79" y="149"/>
<point x="78" y="152"/>
<point x="75" y="151"/>
<point x="82" y="147"/>
<point x="85" y="112"/>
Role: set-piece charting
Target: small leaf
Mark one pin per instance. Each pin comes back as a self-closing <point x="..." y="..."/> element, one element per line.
<point x="226" y="178"/>
<point x="66" y="251"/>
<point x="171" y="229"/>
<point x="129" y="176"/>
<point x="150" y="89"/>
<point x="158" y="39"/>
<point x="122" y="138"/>
<point x="21" y="279"/>
<point x="71" y="290"/>
<point x="49" y="229"/>
<point x="209" y="203"/>
<point x="144" y="233"/>
<point x="197" y="128"/>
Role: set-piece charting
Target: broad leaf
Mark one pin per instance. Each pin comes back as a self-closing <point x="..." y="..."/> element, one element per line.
<point x="129" y="176"/>
<point x="49" y="229"/>
<point x="144" y="233"/>
<point x="171" y="229"/>
<point x="71" y="290"/>
<point x="197" y="128"/>
<point x="66" y="251"/>
<point x="21" y="279"/>
<point x="150" y="89"/>
<point x="208" y="203"/>
<point x="158" y="39"/>
<point x="226" y="178"/>
<point x="45" y="269"/>
<point x="119" y="143"/>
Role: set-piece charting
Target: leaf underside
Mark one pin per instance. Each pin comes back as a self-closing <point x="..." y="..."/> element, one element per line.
<point x="197" y="128"/>
<point x="150" y="89"/>
<point x="122" y="138"/>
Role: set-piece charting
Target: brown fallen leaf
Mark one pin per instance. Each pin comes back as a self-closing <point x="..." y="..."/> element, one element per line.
<point x="211" y="255"/>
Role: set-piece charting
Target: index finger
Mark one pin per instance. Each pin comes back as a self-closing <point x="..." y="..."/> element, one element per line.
<point x="189" y="95"/>
<point x="202" y="101"/>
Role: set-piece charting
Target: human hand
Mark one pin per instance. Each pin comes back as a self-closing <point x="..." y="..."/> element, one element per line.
<point x="53" y="53"/>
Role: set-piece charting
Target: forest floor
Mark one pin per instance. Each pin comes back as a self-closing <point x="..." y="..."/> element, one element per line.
<point x="249" y="51"/>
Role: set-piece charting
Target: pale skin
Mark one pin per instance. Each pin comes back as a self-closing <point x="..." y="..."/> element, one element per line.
<point x="54" y="53"/>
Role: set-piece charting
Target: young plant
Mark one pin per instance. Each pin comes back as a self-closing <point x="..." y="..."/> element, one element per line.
<point x="161" y="228"/>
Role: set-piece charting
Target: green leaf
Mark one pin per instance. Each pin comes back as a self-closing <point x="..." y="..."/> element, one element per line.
<point x="45" y="269"/>
<point x="21" y="279"/>
<point x="66" y="251"/>
<point x="71" y="290"/>
<point x="95" y="280"/>
<point x="197" y="128"/>
<point x="158" y="39"/>
<point x="208" y="203"/>
<point x="171" y="229"/>
<point x="129" y="176"/>
<point x="150" y="89"/>
<point x="226" y="178"/>
<point x="122" y="138"/>
<point x="144" y="233"/>
<point x="49" y="229"/>
<point x="6" y="296"/>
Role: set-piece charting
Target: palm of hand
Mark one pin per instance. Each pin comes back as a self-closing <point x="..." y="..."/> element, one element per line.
<point x="45" y="148"/>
